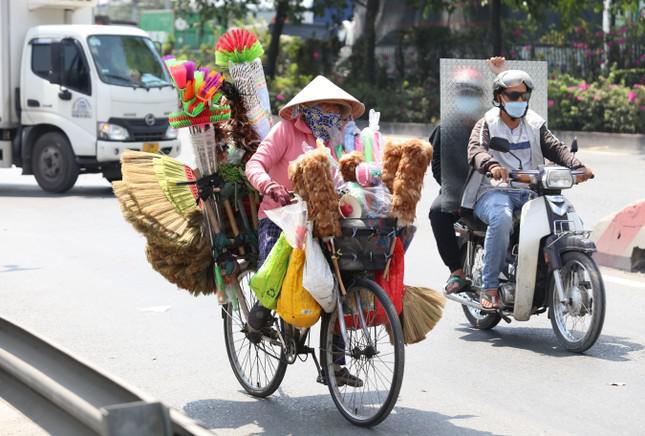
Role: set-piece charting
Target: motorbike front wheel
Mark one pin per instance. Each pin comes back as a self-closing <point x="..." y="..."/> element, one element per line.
<point x="577" y="321"/>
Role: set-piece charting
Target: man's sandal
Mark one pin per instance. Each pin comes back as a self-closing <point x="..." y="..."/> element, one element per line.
<point x="489" y="300"/>
<point x="456" y="284"/>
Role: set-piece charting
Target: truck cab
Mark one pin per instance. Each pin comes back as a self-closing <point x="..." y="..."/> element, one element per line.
<point x="86" y="93"/>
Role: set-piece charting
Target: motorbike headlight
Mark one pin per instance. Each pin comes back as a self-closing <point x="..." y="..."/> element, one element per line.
<point x="112" y="132"/>
<point x="557" y="178"/>
<point x="171" y="133"/>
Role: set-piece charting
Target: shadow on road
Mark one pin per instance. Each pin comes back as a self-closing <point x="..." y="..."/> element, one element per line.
<point x="34" y="191"/>
<point x="315" y="414"/>
<point x="543" y="341"/>
<point x="15" y="268"/>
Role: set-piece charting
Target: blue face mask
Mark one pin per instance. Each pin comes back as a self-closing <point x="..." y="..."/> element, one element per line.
<point x="469" y="106"/>
<point x="516" y="109"/>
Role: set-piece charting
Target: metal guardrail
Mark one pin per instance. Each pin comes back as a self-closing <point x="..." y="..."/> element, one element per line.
<point x="90" y="398"/>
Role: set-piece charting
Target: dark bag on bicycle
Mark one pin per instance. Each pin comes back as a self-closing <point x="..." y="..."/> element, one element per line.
<point x="365" y="243"/>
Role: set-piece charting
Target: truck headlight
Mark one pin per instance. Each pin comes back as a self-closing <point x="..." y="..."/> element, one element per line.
<point x="171" y="133"/>
<point x="557" y="178"/>
<point x="112" y="132"/>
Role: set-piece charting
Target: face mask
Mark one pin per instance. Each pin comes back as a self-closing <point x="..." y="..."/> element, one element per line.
<point x="516" y="109"/>
<point x="323" y="125"/>
<point x="469" y="106"/>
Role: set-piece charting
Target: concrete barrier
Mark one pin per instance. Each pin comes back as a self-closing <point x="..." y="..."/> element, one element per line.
<point x="620" y="239"/>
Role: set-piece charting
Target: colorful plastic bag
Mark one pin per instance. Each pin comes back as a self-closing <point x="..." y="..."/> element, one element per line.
<point x="393" y="283"/>
<point x="295" y="305"/>
<point x="371" y="139"/>
<point x="317" y="277"/>
<point x="267" y="282"/>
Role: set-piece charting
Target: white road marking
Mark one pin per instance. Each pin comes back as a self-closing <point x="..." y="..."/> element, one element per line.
<point x="624" y="282"/>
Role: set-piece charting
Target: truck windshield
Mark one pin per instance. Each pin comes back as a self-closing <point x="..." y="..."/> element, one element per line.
<point x="125" y="60"/>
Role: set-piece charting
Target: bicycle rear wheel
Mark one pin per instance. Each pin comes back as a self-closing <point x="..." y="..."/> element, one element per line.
<point x="373" y="352"/>
<point x="259" y="367"/>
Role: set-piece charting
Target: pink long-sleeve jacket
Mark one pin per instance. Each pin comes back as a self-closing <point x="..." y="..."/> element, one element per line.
<point x="270" y="162"/>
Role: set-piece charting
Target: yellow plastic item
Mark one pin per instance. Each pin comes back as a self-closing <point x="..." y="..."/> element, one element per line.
<point x="295" y="305"/>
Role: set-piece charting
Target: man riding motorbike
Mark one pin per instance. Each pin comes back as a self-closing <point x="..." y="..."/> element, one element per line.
<point x="493" y="199"/>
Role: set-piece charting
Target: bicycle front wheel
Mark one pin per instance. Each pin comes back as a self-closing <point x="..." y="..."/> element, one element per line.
<point x="372" y="351"/>
<point x="259" y="367"/>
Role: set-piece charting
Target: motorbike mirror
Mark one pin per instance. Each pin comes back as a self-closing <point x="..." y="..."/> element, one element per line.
<point x="574" y="145"/>
<point x="499" y="144"/>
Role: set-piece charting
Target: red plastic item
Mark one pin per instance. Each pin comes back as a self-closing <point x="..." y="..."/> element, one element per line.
<point x="393" y="287"/>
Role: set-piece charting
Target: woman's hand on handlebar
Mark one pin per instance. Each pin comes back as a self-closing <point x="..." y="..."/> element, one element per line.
<point x="278" y="193"/>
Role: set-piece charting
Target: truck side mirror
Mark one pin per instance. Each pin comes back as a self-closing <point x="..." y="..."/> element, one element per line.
<point x="56" y="73"/>
<point x="574" y="145"/>
<point x="499" y="144"/>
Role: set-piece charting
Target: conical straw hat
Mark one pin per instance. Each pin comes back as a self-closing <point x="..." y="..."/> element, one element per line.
<point x="321" y="89"/>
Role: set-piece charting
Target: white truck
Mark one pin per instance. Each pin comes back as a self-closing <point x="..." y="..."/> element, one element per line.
<point x="74" y="96"/>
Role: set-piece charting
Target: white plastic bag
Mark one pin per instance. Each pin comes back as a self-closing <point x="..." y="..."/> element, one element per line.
<point x="292" y="219"/>
<point x="317" y="278"/>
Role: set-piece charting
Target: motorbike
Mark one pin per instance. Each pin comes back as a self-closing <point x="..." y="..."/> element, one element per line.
<point x="549" y="264"/>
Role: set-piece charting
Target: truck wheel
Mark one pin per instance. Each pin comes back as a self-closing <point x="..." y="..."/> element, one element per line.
<point x="54" y="164"/>
<point x="112" y="173"/>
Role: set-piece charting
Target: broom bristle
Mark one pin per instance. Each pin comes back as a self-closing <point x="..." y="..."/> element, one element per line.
<point x="422" y="310"/>
<point x="170" y="171"/>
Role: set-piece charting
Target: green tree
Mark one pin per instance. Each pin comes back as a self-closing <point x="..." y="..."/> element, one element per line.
<point x="222" y="12"/>
<point x="292" y="11"/>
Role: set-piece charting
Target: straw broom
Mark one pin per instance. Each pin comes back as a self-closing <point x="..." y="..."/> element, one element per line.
<point x="166" y="209"/>
<point x="422" y="310"/>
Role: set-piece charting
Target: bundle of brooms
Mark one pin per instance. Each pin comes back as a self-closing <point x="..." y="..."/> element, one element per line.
<point x="167" y="215"/>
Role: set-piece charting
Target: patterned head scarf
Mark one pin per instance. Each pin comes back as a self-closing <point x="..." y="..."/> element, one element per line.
<point x="323" y="125"/>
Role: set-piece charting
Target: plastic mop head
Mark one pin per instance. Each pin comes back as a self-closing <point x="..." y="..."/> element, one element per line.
<point x="198" y="94"/>
<point x="240" y="51"/>
<point x="237" y="46"/>
<point x="215" y="115"/>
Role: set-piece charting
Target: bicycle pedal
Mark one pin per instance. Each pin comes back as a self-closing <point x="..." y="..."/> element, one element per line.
<point x="321" y="379"/>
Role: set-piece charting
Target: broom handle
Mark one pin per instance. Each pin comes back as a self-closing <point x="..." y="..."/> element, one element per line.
<point x="254" y="210"/>
<point x="212" y="218"/>
<point x="334" y="261"/>
<point x="233" y="222"/>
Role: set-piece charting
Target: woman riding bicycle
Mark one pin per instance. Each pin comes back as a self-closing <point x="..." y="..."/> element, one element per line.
<point x="319" y="111"/>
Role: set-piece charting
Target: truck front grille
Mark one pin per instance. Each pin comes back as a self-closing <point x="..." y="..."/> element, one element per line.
<point x="140" y="131"/>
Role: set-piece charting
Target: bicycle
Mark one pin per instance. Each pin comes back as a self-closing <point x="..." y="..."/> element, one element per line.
<point x="368" y="323"/>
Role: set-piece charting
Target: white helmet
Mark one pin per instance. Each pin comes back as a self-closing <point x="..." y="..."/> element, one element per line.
<point x="511" y="78"/>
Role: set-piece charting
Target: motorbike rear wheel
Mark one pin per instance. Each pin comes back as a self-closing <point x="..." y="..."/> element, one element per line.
<point x="481" y="320"/>
<point x="577" y="322"/>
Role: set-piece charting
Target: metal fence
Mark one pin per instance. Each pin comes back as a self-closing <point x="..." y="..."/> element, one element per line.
<point x="578" y="61"/>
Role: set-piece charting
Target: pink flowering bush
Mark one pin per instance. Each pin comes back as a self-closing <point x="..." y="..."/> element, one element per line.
<point x="599" y="106"/>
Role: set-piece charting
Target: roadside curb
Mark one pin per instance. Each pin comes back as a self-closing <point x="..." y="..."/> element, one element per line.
<point x="620" y="239"/>
<point x="630" y="142"/>
<point x="633" y="142"/>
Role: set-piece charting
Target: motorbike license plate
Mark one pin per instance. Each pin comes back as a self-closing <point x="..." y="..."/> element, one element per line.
<point x="151" y="147"/>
